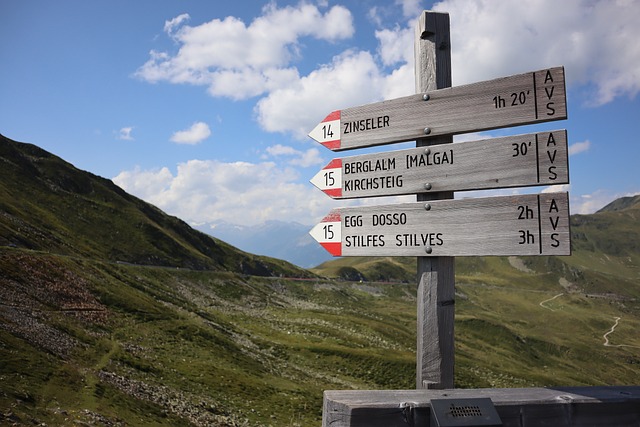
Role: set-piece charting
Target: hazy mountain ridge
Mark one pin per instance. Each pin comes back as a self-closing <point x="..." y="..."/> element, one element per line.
<point x="113" y="313"/>
<point x="283" y="240"/>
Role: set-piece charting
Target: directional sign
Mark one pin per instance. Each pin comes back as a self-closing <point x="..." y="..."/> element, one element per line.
<point x="514" y="161"/>
<point x="509" y="101"/>
<point x="535" y="224"/>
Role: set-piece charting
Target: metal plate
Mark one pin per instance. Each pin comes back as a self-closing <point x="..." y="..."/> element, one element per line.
<point x="464" y="412"/>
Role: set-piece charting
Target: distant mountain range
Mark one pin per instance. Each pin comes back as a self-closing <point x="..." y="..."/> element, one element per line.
<point x="289" y="241"/>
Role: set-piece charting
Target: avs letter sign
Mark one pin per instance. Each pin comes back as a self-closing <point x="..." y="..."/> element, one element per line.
<point x="511" y="225"/>
<point x="509" y="101"/>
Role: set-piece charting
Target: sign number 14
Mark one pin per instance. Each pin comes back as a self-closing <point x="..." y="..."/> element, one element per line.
<point x="327" y="132"/>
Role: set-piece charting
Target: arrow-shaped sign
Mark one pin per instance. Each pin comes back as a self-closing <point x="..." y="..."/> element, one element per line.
<point x="514" y="161"/>
<point x="535" y="224"/>
<point x="329" y="179"/>
<point x="532" y="97"/>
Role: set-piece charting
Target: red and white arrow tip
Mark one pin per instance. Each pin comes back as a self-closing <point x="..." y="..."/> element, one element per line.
<point x="329" y="233"/>
<point x="329" y="179"/>
<point x="327" y="132"/>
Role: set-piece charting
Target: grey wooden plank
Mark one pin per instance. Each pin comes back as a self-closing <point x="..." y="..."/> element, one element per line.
<point x="533" y="224"/>
<point x="514" y="161"/>
<point x="533" y="97"/>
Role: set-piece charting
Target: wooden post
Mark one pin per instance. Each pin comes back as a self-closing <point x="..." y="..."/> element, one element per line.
<point x="436" y="287"/>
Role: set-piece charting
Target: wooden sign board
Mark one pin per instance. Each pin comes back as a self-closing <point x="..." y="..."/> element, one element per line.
<point x="532" y="97"/>
<point x="514" y="161"/>
<point x="535" y="224"/>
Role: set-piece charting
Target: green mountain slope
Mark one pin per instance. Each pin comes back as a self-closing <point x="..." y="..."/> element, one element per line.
<point x="84" y="340"/>
<point x="115" y="314"/>
<point x="47" y="204"/>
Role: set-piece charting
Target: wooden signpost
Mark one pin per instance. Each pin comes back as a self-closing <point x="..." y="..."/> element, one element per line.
<point x="437" y="228"/>
<point x="513" y="161"/>
<point x="533" y="97"/>
<point x="535" y="224"/>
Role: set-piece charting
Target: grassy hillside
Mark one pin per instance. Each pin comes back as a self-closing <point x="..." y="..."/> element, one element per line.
<point x="115" y="314"/>
<point x="47" y="204"/>
<point x="83" y="339"/>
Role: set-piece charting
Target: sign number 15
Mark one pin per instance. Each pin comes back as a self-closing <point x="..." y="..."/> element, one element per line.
<point x="328" y="232"/>
<point x="329" y="179"/>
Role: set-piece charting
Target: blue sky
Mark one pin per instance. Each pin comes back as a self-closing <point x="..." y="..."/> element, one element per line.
<point x="202" y="108"/>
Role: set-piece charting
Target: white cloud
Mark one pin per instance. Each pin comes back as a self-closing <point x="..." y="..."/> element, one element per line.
<point x="596" y="41"/>
<point x="308" y="158"/>
<point x="410" y="8"/>
<point x="304" y="159"/>
<point x="490" y="39"/>
<point x="240" y="192"/>
<point x="353" y="78"/>
<point x="144" y="184"/>
<point x="474" y="136"/>
<point x="374" y="16"/>
<point x="175" y="22"/>
<point x="247" y="82"/>
<point x="579" y="147"/>
<point x="237" y="60"/>
<point x="198" y="132"/>
<point x="125" y="133"/>
<point x="399" y="82"/>
<point x="281" y="150"/>
<point x="556" y="188"/>
<point x="396" y="46"/>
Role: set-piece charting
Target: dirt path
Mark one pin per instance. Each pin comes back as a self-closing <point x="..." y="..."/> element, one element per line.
<point x="550" y="299"/>
<point x="613" y="328"/>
